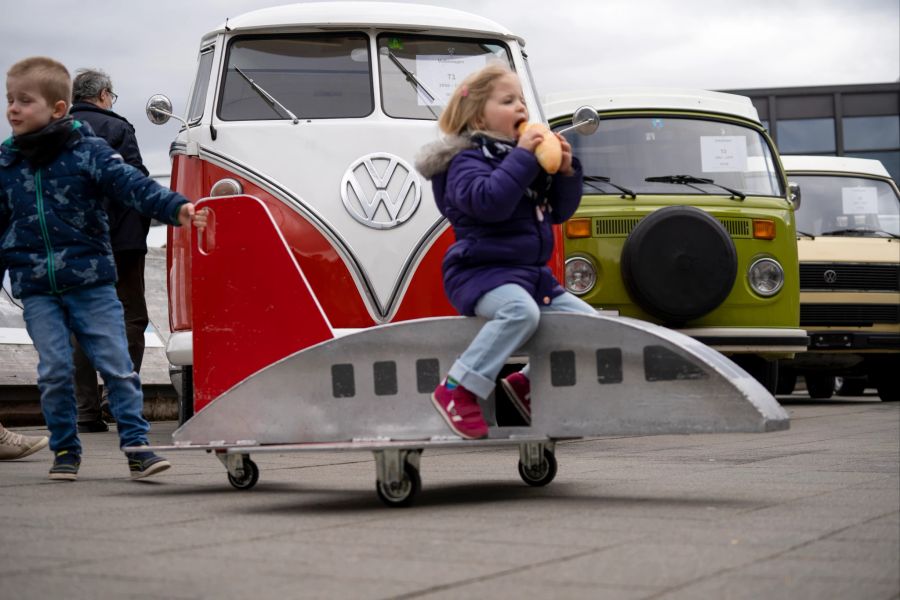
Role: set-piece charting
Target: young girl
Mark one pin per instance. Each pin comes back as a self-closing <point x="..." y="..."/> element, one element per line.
<point x="487" y="182"/>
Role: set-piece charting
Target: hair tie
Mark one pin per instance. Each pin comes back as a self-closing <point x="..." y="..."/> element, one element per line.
<point x="465" y="91"/>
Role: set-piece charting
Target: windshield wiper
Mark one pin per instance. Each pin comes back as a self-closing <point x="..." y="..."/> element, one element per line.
<point x="861" y="231"/>
<point x="590" y="179"/>
<point x="413" y="81"/>
<point x="689" y="179"/>
<point x="267" y="96"/>
<point x="805" y="234"/>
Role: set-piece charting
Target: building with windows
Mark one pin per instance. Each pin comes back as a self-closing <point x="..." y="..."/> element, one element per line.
<point x="840" y="120"/>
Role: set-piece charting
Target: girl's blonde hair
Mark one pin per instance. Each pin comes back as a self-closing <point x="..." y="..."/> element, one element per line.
<point x="50" y="76"/>
<point x="466" y="105"/>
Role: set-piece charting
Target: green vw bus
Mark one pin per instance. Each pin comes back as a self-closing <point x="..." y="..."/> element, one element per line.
<point x="687" y="220"/>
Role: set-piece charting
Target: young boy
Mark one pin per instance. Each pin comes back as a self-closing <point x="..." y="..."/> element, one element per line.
<point x="54" y="239"/>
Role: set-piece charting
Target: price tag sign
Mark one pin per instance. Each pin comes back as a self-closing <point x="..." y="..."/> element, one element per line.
<point x="723" y="153"/>
<point x="441" y="74"/>
<point x="859" y="200"/>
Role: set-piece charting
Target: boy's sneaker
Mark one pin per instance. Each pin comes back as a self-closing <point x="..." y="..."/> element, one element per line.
<point x="460" y="410"/>
<point x="518" y="388"/>
<point x="15" y="445"/>
<point x="145" y="464"/>
<point x="65" y="466"/>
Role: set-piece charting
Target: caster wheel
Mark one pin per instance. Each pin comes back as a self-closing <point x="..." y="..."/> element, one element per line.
<point x="251" y="476"/>
<point x="541" y="474"/>
<point x="400" y="493"/>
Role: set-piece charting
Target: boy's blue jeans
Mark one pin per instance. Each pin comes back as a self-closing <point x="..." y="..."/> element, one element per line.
<point x="513" y="318"/>
<point x="94" y="315"/>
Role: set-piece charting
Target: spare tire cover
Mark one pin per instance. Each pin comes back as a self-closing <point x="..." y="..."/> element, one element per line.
<point x="679" y="263"/>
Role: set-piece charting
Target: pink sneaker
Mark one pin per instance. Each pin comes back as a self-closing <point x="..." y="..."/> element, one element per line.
<point x="460" y="410"/>
<point x="518" y="388"/>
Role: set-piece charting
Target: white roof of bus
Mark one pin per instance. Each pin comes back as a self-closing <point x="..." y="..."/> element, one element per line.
<point x="834" y="164"/>
<point x="564" y="104"/>
<point x="362" y="14"/>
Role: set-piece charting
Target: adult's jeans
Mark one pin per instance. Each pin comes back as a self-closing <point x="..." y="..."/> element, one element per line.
<point x="513" y="318"/>
<point x="130" y="291"/>
<point x="94" y="315"/>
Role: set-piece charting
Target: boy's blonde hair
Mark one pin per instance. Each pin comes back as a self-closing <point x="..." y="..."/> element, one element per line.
<point x="52" y="78"/>
<point x="466" y="105"/>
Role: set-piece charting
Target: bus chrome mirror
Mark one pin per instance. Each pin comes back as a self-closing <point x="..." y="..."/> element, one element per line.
<point x="794" y="194"/>
<point x="159" y="109"/>
<point x="585" y="121"/>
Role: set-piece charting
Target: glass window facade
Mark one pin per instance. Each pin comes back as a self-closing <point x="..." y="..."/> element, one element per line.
<point x="815" y="136"/>
<point x="871" y="133"/>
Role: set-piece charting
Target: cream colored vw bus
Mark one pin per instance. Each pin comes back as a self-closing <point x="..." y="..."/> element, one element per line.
<point x="848" y="228"/>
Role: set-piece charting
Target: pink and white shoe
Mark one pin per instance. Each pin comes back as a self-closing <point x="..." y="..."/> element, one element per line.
<point x="518" y="388"/>
<point x="459" y="408"/>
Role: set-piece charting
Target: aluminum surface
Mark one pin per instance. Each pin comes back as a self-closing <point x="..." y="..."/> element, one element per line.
<point x="591" y="375"/>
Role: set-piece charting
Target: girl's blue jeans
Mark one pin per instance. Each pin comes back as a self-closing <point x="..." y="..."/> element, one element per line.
<point x="513" y="317"/>
<point x="94" y="315"/>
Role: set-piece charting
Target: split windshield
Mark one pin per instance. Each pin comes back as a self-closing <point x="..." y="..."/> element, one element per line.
<point x="676" y="153"/>
<point x="325" y="76"/>
<point x="847" y="206"/>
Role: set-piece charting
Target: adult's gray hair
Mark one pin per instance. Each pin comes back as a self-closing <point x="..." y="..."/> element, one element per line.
<point x="89" y="84"/>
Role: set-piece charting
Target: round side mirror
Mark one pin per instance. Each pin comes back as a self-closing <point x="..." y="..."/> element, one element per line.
<point x="794" y="194"/>
<point x="585" y="120"/>
<point x="159" y="109"/>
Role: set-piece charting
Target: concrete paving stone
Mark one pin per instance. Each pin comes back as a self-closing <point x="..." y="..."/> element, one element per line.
<point x="508" y="587"/>
<point x="738" y="586"/>
<point x="648" y="563"/>
<point x="847" y="569"/>
<point x="886" y="552"/>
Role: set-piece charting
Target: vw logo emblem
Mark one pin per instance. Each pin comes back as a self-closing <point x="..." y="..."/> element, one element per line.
<point x="381" y="190"/>
<point x="830" y="276"/>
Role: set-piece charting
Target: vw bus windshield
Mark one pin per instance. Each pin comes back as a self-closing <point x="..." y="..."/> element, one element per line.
<point x="675" y="154"/>
<point x="419" y="73"/>
<point x="847" y="206"/>
<point x="318" y="76"/>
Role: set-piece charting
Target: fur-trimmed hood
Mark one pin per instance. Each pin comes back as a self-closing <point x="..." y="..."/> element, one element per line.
<point x="435" y="157"/>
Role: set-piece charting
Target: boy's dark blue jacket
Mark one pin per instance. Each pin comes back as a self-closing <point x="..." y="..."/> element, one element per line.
<point x="499" y="237"/>
<point x="54" y="234"/>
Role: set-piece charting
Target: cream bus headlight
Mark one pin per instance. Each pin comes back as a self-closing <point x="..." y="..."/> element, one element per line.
<point x="581" y="276"/>
<point x="766" y="277"/>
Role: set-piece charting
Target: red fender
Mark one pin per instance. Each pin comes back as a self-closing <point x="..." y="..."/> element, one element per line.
<point x="251" y="303"/>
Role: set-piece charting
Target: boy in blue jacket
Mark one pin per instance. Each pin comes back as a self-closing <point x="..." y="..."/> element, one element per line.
<point x="54" y="239"/>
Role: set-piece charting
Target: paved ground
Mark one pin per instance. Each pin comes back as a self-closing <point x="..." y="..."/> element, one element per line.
<point x="813" y="512"/>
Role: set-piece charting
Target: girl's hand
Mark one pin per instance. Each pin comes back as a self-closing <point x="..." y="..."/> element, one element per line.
<point x="565" y="167"/>
<point x="530" y="139"/>
<point x="188" y="214"/>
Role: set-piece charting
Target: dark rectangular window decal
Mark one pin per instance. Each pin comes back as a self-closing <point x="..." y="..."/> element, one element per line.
<point x="609" y="365"/>
<point x="342" y="383"/>
<point x="662" y="364"/>
<point x="428" y="375"/>
<point x="385" y="374"/>
<point x="562" y="368"/>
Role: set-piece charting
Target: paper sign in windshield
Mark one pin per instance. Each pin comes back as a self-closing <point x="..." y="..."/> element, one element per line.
<point x="441" y="74"/>
<point x="859" y="200"/>
<point x="723" y="153"/>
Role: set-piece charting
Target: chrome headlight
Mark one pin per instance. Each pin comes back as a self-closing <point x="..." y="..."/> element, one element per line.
<point x="766" y="277"/>
<point x="226" y="187"/>
<point x="581" y="276"/>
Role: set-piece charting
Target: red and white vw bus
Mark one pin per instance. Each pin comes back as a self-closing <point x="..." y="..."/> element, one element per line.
<point x="318" y="111"/>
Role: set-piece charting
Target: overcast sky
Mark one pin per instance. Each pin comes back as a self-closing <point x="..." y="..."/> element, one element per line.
<point x="150" y="46"/>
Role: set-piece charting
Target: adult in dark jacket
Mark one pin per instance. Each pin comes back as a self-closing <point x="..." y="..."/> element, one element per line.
<point x="93" y="101"/>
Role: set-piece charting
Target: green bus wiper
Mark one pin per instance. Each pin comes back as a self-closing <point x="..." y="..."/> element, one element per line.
<point x="590" y="179"/>
<point x="689" y="179"/>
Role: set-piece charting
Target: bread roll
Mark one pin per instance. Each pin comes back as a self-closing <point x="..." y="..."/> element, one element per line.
<point x="549" y="151"/>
